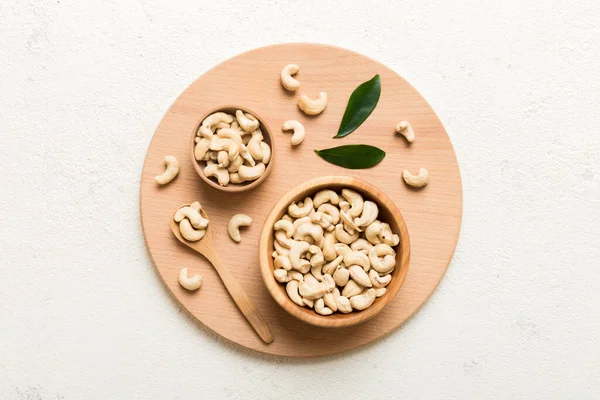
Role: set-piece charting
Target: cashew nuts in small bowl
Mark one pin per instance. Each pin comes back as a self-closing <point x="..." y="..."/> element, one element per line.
<point x="232" y="149"/>
<point x="334" y="251"/>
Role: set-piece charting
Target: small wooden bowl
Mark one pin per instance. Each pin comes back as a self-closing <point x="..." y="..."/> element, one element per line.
<point x="388" y="212"/>
<point x="234" y="187"/>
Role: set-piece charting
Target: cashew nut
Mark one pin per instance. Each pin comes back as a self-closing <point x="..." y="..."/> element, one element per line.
<point x="343" y="304"/>
<point x="298" y="129"/>
<point x="282" y="262"/>
<point x="281" y="275"/>
<point x="341" y="276"/>
<point x="322" y="219"/>
<point x="325" y="196"/>
<point x="341" y="249"/>
<point x="201" y="149"/>
<point x="248" y="122"/>
<point x="372" y="232"/>
<point x="310" y="279"/>
<point x="170" y="172"/>
<point x="287" y="81"/>
<point x="292" y="291"/>
<point x="308" y="303"/>
<point x="330" y="210"/>
<point x="329" y="299"/>
<point x="189" y="282"/>
<point x="357" y="258"/>
<point x="223" y="159"/>
<point x="405" y="129"/>
<point x="254" y="145"/>
<point x="235" y="178"/>
<point x="361" y="245"/>
<point x="359" y="275"/>
<point x="221" y="174"/>
<point x="380" y="292"/>
<point x="266" y="152"/>
<point x="225" y="144"/>
<point x="349" y="225"/>
<point x="311" y="291"/>
<point x="379" y="281"/>
<point x="313" y="107"/>
<point x="343" y="236"/>
<point x="246" y="155"/>
<point x="210" y="122"/>
<point x="284" y="240"/>
<point x="286" y="226"/>
<point x="302" y="209"/>
<point x="419" y="180"/>
<point x="321" y="309"/>
<point x="387" y="236"/>
<point x="232" y="134"/>
<point x="300" y="221"/>
<point x="363" y="301"/>
<point x="251" y="173"/>
<point x="234" y="166"/>
<point x="331" y="266"/>
<point x="388" y="263"/>
<point x="296" y="252"/>
<point x="189" y="233"/>
<point x="328" y="249"/>
<point x="369" y="214"/>
<point x="234" y="226"/>
<point x="355" y="200"/>
<point x="280" y="249"/>
<point x="352" y="289"/>
<point x="308" y="229"/>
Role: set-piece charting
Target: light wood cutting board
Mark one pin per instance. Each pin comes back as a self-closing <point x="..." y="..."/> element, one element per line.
<point x="433" y="214"/>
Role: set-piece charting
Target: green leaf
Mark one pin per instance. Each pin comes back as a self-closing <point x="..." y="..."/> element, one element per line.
<point x="353" y="156"/>
<point x="361" y="104"/>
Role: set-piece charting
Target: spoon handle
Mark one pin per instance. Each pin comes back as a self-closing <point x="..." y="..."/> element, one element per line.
<point x="239" y="296"/>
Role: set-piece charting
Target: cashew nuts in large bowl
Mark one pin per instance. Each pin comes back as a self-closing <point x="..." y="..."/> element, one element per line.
<point x="334" y="251"/>
<point x="232" y="149"/>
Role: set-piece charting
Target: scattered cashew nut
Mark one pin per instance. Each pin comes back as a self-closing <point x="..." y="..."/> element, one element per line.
<point x="298" y="129"/>
<point x="313" y="106"/>
<point x="234" y="226"/>
<point x="287" y="81"/>
<point x="170" y="172"/>
<point x="417" y="181"/>
<point x="405" y="129"/>
<point x="190" y="283"/>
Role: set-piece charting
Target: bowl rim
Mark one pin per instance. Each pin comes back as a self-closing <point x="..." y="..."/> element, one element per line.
<point x="233" y="187"/>
<point x="266" y="248"/>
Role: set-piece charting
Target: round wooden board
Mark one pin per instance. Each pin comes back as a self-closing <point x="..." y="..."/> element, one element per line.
<point x="433" y="214"/>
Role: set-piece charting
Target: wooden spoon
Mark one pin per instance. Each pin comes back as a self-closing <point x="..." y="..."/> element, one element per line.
<point x="206" y="247"/>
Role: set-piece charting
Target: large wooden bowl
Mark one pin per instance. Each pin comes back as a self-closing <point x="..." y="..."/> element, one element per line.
<point x="234" y="187"/>
<point x="388" y="212"/>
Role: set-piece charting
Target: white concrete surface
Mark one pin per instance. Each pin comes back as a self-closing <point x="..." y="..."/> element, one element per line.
<point x="83" y="85"/>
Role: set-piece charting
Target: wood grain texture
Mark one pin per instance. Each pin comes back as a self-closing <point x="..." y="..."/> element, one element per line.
<point x="432" y="214"/>
<point x="388" y="212"/>
<point x="206" y="247"/>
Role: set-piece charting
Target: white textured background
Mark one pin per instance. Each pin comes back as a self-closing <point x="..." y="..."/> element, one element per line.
<point x="84" y="84"/>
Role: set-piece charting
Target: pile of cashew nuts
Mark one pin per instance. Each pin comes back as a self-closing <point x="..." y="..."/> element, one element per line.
<point x="232" y="147"/>
<point x="332" y="252"/>
<point x="192" y="225"/>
